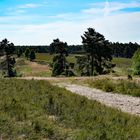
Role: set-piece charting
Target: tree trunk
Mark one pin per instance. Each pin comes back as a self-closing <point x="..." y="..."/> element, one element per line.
<point x="8" y="65"/>
<point x="92" y="65"/>
<point x="92" y="61"/>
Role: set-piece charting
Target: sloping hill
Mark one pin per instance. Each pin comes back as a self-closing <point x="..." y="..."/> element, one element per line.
<point x="37" y="110"/>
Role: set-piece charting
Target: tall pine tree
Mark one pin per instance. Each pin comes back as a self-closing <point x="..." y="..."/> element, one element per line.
<point x="98" y="52"/>
<point x="7" y="50"/>
<point x="59" y="61"/>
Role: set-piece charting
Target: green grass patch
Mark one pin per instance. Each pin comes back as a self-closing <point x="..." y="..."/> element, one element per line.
<point x="44" y="74"/>
<point x="118" y="86"/>
<point x="49" y="58"/>
<point x="44" y="57"/>
<point x="38" y="110"/>
<point x="122" y="62"/>
<point x="23" y="70"/>
<point x="123" y="65"/>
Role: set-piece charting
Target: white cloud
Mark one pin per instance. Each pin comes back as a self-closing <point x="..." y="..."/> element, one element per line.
<point x="44" y="33"/>
<point x="122" y="27"/>
<point x="22" y="9"/>
<point x="106" y="8"/>
<point x="29" y="5"/>
<point x="115" y="28"/>
<point x="110" y="7"/>
<point x="106" y="19"/>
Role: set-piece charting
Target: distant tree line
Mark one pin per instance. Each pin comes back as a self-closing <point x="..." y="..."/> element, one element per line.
<point x="38" y="49"/>
<point x="125" y="50"/>
<point x="71" y="49"/>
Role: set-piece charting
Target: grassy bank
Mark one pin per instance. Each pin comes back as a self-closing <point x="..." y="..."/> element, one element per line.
<point x="38" y="110"/>
<point x="118" y="86"/>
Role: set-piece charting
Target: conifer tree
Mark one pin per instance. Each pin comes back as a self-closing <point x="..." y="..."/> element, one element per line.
<point x="98" y="52"/>
<point x="27" y="53"/>
<point x="7" y="50"/>
<point x="32" y="55"/>
<point x="60" y="64"/>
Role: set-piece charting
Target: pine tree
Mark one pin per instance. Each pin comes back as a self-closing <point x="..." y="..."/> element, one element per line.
<point x="27" y="53"/>
<point x="98" y="52"/>
<point x="59" y="61"/>
<point x="19" y="52"/>
<point x="8" y="50"/>
<point x="32" y="55"/>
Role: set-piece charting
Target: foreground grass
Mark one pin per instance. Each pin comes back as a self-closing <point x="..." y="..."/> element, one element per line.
<point x="38" y="110"/>
<point x="118" y="86"/>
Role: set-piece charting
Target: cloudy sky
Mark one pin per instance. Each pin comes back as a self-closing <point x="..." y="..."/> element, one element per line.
<point x="38" y="22"/>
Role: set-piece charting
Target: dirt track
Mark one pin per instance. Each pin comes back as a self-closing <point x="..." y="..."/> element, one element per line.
<point x="76" y="78"/>
<point x="124" y="103"/>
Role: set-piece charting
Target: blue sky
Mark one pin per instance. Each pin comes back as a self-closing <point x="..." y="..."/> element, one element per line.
<point x="37" y="22"/>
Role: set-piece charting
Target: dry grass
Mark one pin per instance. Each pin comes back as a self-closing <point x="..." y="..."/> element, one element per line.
<point x="27" y="68"/>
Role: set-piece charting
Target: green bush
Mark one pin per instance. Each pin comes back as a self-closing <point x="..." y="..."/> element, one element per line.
<point x="136" y="63"/>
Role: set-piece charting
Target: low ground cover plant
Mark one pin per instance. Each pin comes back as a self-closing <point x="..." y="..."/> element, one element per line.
<point x="38" y="110"/>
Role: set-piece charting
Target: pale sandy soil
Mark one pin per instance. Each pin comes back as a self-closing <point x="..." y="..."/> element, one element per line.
<point x="38" y="67"/>
<point x="124" y="103"/>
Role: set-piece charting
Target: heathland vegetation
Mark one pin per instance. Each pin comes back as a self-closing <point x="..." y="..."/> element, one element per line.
<point x="38" y="110"/>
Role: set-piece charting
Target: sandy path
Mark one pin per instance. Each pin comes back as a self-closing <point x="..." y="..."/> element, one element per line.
<point x="125" y="103"/>
<point x="74" y="78"/>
